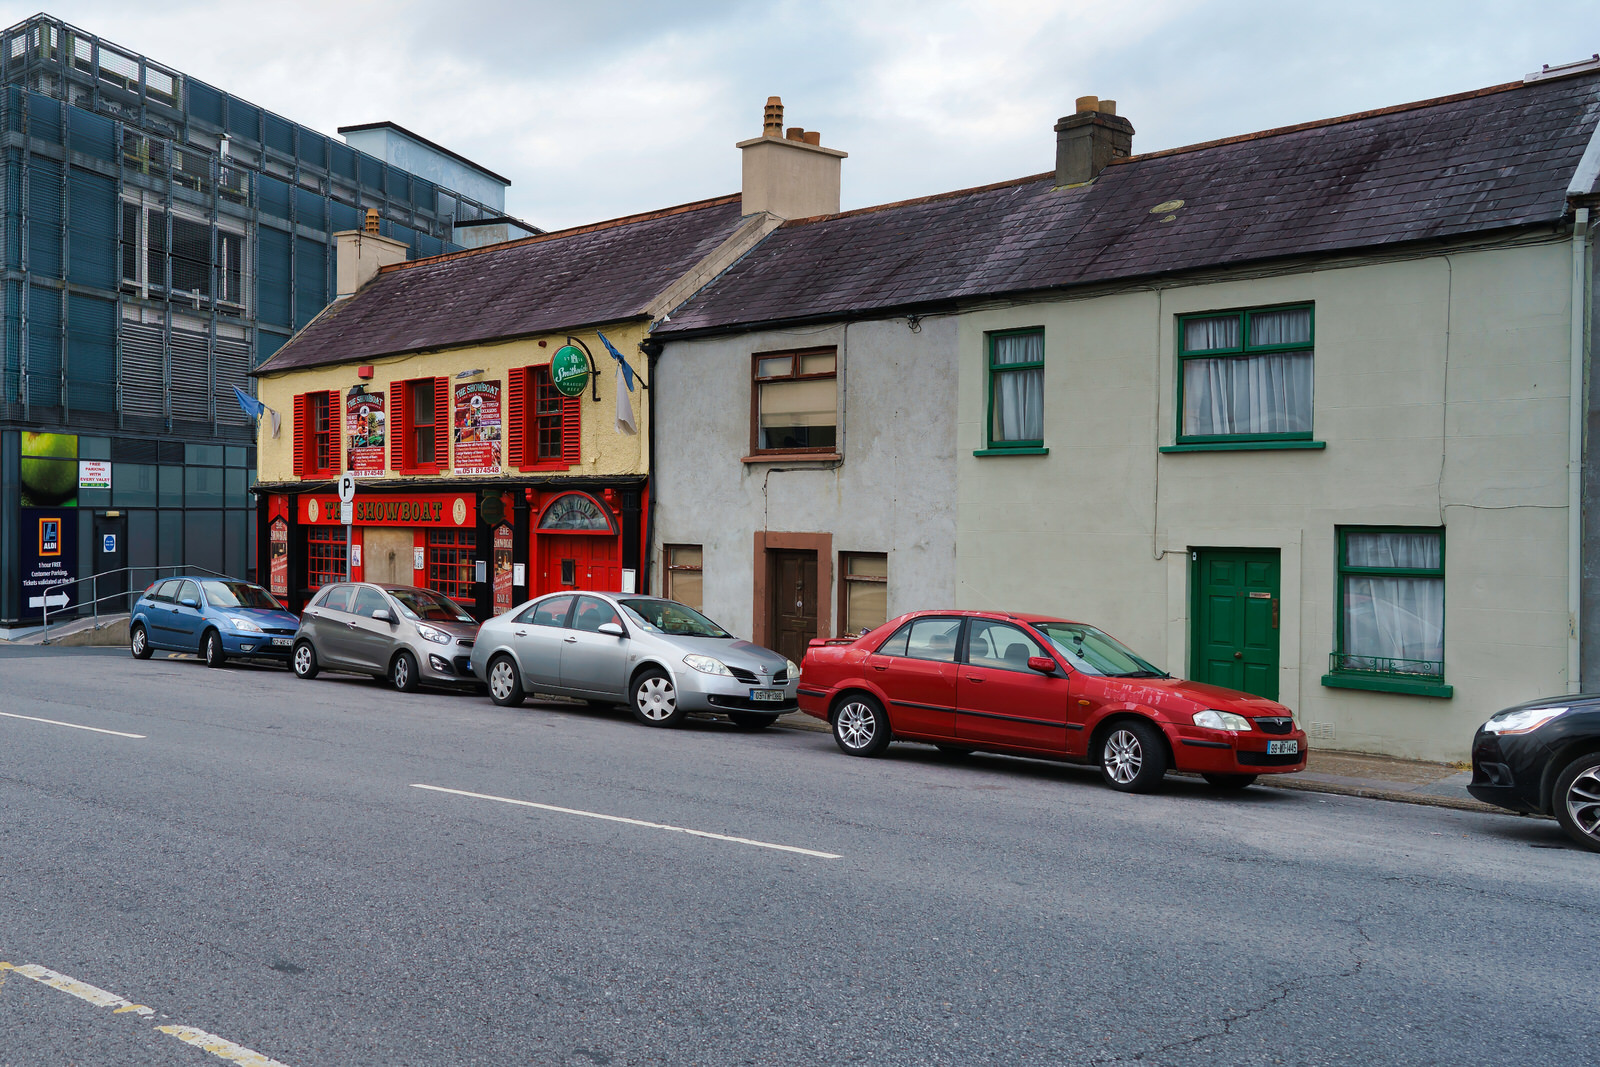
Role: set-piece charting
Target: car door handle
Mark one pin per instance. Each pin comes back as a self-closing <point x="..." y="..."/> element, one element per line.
<point x="570" y="640"/>
<point x="351" y="624"/>
<point x="975" y="678"/>
<point x="880" y="666"/>
<point x="521" y="633"/>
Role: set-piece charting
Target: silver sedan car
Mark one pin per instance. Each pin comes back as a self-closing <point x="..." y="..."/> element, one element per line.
<point x="408" y="635"/>
<point x="661" y="658"/>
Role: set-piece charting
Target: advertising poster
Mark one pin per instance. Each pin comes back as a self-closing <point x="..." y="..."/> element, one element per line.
<point x="49" y="557"/>
<point x="49" y="470"/>
<point x="94" y="474"/>
<point x="502" y="568"/>
<point x="476" y="421"/>
<point x="364" y="429"/>
<point x="279" y="569"/>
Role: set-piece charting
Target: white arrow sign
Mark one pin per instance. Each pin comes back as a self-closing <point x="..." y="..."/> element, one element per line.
<point x="54" y="600"/>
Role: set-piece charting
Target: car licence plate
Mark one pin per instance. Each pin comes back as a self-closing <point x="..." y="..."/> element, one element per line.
<point x="766" y="694"/>
<point x="1283" y="748"/>
<point x="282" y="642"/>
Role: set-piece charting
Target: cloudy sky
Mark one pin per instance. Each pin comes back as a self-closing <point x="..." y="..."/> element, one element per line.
<point x="606" y="107"/>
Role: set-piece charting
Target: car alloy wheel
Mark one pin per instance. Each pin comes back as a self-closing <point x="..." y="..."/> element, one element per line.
<point x="1577" y="801"/>
<point x="505" y="688"/>
<point x="305" y="660"/>
<point x="213" y="649"/>
<point x="403" y="673"/>
<point x="655" y="699"/>
<point x="1132" y="758"/>
<point x="139" y="643"/>
<point x="860" y="727"/>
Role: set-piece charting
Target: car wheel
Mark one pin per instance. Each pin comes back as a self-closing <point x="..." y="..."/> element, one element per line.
<point x="505" y="686"/>
<point x="403" y="673"/>
<point x="139" y="643"/>
<point x="1577" y="801"/>
<point x="211" y="649"/>
<point x="752" y="720"/>
<point x="1132" y="757"/>
<point x="1229" y="782"/>
<point x="305" y="660"/>
<point x="860" y="727"/>
<point x="655" y="699"/>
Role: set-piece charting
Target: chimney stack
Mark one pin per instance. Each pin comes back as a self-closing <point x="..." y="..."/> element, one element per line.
<point x="787" y="172"/>
<point x="1089" y="139"/>
<point x="360" y="254"/>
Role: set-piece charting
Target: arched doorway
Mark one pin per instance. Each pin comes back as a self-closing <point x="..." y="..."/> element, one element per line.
<point x="576" y="546"/>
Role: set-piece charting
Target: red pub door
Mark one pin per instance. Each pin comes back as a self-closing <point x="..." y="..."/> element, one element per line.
<point x="579" y="562"/>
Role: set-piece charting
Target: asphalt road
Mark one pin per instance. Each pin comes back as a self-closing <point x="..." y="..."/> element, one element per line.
<point x="260" y="864"/>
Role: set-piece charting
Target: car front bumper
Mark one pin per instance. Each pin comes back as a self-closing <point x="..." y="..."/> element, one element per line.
<point x="1204" y="751"/>
<point x="721" y="694"/>
<point x="1508" y="771"/>
<point x="248" y="644"/>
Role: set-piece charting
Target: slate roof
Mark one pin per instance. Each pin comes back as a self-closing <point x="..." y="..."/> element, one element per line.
<point x="556" y="281"/>
<point x="1492" y="159"/>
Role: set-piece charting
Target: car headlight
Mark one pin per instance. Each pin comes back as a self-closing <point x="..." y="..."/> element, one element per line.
<point x="1221" y="720"/>
<point x="794" y="668"/>
<point x="438" y="637"/>
<point x="707" y="665"/>
<point x="244" y="624"/>
<point x="1522" y="721"/>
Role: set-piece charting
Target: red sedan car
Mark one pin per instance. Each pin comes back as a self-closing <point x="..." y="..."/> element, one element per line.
<point x="1031" y="685"/>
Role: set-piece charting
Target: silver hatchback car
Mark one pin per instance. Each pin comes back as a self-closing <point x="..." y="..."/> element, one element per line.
<point x="410" y="636"/>
<point x="661" y="658"/>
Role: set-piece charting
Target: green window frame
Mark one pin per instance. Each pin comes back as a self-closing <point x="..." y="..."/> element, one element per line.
<point x="1240" y="347"/>
<point x="997" y="439"/>
<point x="1351" y="668"/>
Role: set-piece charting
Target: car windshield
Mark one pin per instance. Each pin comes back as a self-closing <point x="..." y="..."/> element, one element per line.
<point x="671" y="617"/>
<point x="1095" y="652"/>
<point x="238" y="595"/>
<point x="427" y="605"/>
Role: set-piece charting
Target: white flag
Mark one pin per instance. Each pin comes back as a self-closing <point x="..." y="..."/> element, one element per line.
<point x="275" y="421"/>
<point x="625" y="420"/>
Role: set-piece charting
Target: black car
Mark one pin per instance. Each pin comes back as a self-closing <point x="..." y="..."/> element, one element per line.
<point x="1543" y="757"/>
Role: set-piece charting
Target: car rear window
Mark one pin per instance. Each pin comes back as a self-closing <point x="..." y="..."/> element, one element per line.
<point x="552" y="612"/>
<point x="931" y="639"/>
<point x="166" y="592"/>
<point x="338" y="598"/>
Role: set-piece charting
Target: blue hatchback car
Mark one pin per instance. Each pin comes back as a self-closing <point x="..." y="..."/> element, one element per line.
<point x="217" y="617"/>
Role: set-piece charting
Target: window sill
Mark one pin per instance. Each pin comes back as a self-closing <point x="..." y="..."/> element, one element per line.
<point x="1025" y="450"/>
<point x="1247" y="446"/>
<point x="546" y="467"/>
<point x="1389" y="684"/>
<point x="416" y="472"/>
<point x="794" y="457"/>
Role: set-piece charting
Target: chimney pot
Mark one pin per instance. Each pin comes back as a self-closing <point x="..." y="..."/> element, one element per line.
<point x="372" y="220"/>
<point x="795" y="133"/>
<point x="772" y="122"/>
<point x="1087" y="104"/>
<point x="1086" y="142"/>
<point x="813" y="137"/>
<point x="1108" y="107"/>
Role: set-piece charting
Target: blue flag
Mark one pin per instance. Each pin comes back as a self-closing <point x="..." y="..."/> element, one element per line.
<point x="627" y="371"/>
<point x="250" y="404"/>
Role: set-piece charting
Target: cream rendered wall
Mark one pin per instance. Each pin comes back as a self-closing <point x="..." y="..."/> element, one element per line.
<point x="604" y="451"/>
<point x="1440" y="391"/>
<point x="892" y="492"/>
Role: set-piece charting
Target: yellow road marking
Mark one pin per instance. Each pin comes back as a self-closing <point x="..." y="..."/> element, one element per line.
<point x="220" y="1047"/>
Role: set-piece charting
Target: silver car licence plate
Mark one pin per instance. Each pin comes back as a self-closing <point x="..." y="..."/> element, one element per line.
<point x="1283" y="748"/>
<point x="766" y="694"/>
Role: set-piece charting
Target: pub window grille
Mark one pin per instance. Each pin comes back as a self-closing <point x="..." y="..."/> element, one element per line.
<point x="450" y="563"/>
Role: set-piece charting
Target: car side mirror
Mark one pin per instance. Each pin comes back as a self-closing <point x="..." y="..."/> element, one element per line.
<point x="612" y="628"/>
<point x="189" y="602"/>
<point x="1042" y="664"/>
<point x="382" y="615"/>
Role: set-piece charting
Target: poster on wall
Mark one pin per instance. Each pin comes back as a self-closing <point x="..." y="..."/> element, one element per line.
<point x="49" y="558"/>
<point x="49" y="470"/>
<point x="502" y="568"/>
<point x="476" y="422"/>
<point x="365" y="430"/>
<point x="279" y="565"/>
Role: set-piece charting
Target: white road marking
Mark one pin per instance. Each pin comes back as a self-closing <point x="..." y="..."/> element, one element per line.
<point x="632" y="822"/>
<point x="73" y="725"/>
<point x="220" y="1047"/>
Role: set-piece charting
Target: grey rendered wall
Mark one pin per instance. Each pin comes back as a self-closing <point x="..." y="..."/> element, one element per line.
<point x="1589" y="609"/>
<point x="893" y="491"/>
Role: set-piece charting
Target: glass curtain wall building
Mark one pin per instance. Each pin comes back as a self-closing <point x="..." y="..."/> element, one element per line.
<point x="160" y="238"/>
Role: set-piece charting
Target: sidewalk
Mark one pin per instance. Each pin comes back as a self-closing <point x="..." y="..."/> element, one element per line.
<point x="1442" y="785"/>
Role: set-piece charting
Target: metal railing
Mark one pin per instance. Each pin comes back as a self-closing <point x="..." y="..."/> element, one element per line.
<point x="1405" y="668"/>
<point x="132" y="590"/>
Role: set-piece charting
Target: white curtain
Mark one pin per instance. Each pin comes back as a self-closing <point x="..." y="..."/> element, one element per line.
<point x="1018" y="394"/>
<point x="1393" y="618"/>
<point x="1291" y="327"/>
<point x="1207" y="335"/>
<point x="1247" y="394"/>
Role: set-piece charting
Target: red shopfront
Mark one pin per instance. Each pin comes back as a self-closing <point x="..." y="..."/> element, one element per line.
<point x="423" y="539"/>
<point x="577" y="543"/>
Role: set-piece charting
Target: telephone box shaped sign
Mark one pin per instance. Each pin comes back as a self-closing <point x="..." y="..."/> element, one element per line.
<point x="476" y="425"/>
<point x="279" y="566"/>
<point x="569" y="371"/>
<point x="365" y="430"/>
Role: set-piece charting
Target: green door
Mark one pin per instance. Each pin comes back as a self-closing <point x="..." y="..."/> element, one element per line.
<point x="1234" y="608"/>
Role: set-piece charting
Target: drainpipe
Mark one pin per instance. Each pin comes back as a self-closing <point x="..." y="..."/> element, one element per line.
<point x="1575" y="420"/>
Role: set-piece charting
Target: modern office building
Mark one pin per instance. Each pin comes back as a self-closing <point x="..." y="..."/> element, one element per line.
<point x="161" y="237"/>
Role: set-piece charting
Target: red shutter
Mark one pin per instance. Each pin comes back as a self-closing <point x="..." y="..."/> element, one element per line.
<point x="516" y="416"/>
<point x="571" y="429"/>
<point x="441" y="423"/>
<point x="335" y="432"/>
<point x="396" y="427"/>
<point x="302" y="434"/>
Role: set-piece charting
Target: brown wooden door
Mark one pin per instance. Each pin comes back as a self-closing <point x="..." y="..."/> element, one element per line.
<point x="791" y="601"/>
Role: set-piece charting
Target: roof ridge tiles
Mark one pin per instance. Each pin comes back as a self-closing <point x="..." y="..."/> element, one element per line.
<point x="929" y="199"/>
<point x="572" y="231"/>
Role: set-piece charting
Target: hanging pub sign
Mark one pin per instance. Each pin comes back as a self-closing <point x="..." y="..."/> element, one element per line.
<point x="476" y="425"/>
<point x="278" y="567"/>
<point x="503" y="543"/>
<point x="364" y="429"/>
<point x="569" y="371"/>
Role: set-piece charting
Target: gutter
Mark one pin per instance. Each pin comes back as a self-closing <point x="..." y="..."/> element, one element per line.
<point x="1578" y="360"/>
